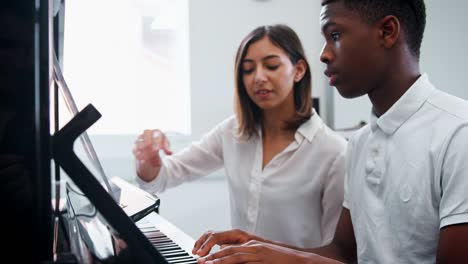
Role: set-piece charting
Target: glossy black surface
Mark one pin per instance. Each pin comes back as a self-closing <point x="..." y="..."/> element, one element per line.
<point x="24" y="120"/>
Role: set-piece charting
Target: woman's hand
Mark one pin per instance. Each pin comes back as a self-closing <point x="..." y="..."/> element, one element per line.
<point x="208" y="240"/>
<point x="146" y="152"/>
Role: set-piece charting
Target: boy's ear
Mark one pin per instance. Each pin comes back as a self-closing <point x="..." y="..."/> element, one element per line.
<point x="389" y="31"/>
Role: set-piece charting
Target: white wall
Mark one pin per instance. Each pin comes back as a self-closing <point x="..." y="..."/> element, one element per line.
<point x="443" y="57"/>
<point x="217" y="28"/>
<point x="444" y="54"/>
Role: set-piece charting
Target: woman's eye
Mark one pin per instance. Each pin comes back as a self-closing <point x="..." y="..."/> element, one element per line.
<point x="272" y="67"/>
<point x="335" y="36"/>
<point x="247" y="71"/>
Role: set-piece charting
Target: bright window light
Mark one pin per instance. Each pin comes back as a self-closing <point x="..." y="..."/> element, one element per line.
<point x="130" y="59"/>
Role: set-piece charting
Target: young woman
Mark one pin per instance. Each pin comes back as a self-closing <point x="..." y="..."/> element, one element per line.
<point x="285" y="167"/>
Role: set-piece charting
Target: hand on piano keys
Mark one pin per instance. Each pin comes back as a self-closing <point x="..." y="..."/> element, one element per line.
<point x="207" y="241"/>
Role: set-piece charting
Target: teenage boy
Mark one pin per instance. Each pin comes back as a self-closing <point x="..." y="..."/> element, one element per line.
<point x="406" y="189"/>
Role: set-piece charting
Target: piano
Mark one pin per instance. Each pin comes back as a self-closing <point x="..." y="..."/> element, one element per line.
<point x="93" y="242"/>
<point x="102" y="220"/>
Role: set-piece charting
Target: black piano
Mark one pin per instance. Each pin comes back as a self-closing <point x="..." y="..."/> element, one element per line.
<point x="94" y="219"/>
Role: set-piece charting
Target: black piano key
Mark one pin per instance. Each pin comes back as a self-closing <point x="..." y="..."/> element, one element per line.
<point x="157" y="245"/>
<point x="177" y="258"/>
<point x="169" y="249"/>
<point x="166" y="248"/>
<point x="159" y="239"/>
<point x="165" y="242"/>
<point x="175" y="254"/>
<point x="168" y="254"/>
<point x="172" y="245"/>
<point x="180" y="259"/>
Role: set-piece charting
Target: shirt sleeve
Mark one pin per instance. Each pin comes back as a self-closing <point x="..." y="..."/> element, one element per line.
<point x="193" y="162"/>
<point x="332" y="199"/>
<point x="454" y="182"/>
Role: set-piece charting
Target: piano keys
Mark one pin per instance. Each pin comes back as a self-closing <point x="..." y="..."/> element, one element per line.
<point x="171" y="242"/>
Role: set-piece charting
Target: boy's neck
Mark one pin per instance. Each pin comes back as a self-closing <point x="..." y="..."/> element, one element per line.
<point x="397" y="81"/>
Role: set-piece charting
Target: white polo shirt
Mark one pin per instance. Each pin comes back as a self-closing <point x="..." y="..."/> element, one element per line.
<point x="296" y="199"/>
<point x="407" y="176"/>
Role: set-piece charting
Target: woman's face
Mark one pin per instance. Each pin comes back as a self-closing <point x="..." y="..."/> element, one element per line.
<point x="269" y="75"/>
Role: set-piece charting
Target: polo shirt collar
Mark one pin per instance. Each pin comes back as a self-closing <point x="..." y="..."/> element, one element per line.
<point x="404" y="108"/>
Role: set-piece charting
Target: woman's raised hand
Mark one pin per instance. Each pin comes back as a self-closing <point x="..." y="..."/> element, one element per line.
<point x="146" y="152"/>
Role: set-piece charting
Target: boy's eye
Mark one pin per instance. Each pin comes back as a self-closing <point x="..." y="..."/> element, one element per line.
<point x="335" y="36"/>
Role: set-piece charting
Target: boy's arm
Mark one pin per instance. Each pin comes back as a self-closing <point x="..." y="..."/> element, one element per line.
<point x="453" y="208"/>
<point x="343" y="245"/>
<point x="453" y="244"/>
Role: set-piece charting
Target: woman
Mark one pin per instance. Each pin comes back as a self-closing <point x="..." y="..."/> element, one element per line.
<point x="285" y="167"/>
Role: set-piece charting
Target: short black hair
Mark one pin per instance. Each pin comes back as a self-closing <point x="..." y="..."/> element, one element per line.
<point x="410" y="13"/>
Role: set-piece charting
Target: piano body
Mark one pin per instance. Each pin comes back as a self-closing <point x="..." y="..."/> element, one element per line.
<point x="96" y="225"/>
<point x="92" y="241"/>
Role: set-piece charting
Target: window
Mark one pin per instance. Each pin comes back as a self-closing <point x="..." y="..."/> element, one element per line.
<point x="130" y="59"/>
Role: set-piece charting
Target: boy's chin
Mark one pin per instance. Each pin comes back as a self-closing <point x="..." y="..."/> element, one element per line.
<point x="348" y="92"/>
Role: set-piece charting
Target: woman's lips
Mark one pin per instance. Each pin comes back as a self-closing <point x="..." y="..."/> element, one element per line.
<point x="263" y="94"/>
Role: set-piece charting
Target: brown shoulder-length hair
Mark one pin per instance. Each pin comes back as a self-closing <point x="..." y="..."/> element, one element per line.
<point x="249" y="115"/>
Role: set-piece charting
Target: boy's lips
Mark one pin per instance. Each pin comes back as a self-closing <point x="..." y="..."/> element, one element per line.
<point x="332" y="77"/>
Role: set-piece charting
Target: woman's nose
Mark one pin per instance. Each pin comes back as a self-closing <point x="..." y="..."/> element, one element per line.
<point x="260" y="76"/>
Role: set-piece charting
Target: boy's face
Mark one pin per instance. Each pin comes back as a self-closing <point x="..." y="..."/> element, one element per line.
<point x="352" y="50"/>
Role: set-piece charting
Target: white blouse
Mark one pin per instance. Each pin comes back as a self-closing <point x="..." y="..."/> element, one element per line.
<point x="296" y="199"/>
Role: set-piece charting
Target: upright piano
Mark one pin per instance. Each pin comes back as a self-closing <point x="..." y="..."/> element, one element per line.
<point x="108" y="221"/>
